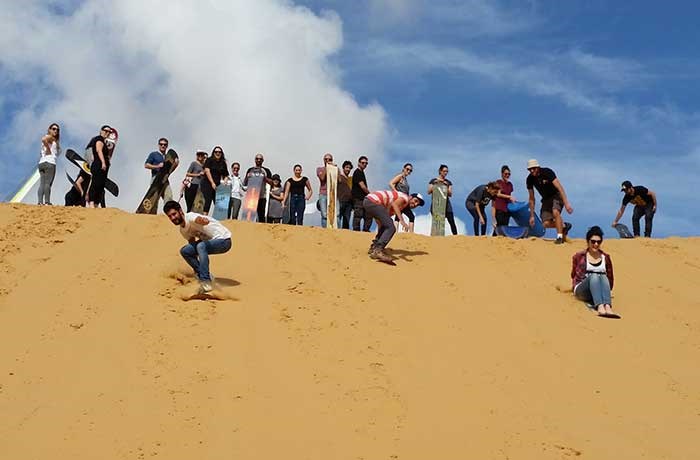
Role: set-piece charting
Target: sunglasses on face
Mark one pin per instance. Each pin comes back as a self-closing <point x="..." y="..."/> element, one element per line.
<point x="506" y="174"/>
<point x="363" y="162"/>
<point x="409" y="169"/>
<point x="258" y="159"/>
<point x="595" y="241"/>
<point x="218" y="151"/>
<point x="328" y="159"/>
<point x="54" y="128"/>
<point x="163" y="145"/>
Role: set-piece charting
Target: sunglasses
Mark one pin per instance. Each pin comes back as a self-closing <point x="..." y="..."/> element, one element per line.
<point x="595" y="241"/>
<point x="258" y="159"/>
<point x="218" y="151"/>
<point x="328" y="159"/>
<point x="506" y="174"/>
<point x="53" y="128"/>
<point x="409" y="170"/>
<point x="163" y="144"/>
<point x="363" y="162"/>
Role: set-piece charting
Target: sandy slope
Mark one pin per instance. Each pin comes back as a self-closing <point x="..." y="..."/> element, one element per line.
<point x="466" y="349"/>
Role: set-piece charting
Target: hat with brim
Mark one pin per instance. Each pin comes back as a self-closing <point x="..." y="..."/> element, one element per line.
<point x="532" y="163"/>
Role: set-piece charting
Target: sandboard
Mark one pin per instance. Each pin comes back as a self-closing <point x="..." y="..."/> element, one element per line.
<point x="198" y="204"/>
<point x="438" y="208"/>
<point x="332" y="191"/>
<point x="202" y="296"/>
<point x="520" y="212"/>
<point x="81" y="163"/>
<point x="26" y="186"/>
<point x="221" y="200"/>
<point x="512" y="231"/>
<point x="149" y="204"/>
<point x="623" y="231"/>
<point x="249" y="207"/>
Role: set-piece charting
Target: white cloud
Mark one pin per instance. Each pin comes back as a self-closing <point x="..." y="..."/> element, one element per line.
<point x="250" y="75"/>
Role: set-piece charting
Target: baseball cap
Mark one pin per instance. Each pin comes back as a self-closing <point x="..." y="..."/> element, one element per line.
<point x="625" y="185"/>
<point x="420" y="198"/>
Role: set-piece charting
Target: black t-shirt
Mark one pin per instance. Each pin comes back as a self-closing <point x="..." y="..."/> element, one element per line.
<point x="641" y="197"/>
<point x="92" y="145"/>
<point x="543" y="183"/>
<point x="357" y="177"/>
<point x="217" y="169"/>
<point x="296" y="187"/>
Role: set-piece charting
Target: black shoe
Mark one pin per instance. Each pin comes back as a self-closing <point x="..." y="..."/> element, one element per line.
<point x="559" y="240"/>
<point x="567" y="228"/>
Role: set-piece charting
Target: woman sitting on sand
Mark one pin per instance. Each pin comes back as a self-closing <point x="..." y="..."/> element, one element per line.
<point x="592" y="274"/>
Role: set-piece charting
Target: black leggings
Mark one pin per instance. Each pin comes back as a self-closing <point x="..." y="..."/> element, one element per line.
<point x="190" y="194"/>
<point x="208" y="194"/>
<point x="450" y="216"/>
<point x="408" y="212"/>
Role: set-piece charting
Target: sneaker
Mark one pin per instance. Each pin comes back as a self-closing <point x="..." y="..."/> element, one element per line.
<point x="567" y="227"/>
<point x="559" y="241"/>
<point x="378" y="254"/>
<point x="205" y="287"/>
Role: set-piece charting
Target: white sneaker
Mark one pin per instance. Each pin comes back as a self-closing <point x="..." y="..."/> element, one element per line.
<point x="205" y="287"/>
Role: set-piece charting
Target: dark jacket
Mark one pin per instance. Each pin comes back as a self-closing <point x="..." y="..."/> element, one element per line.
<point x="578" y="268"/>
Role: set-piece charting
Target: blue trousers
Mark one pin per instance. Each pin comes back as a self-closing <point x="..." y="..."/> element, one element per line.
<point x="595" y="288"/>
<point x="197" y="255"/>
<point x="297" y="203"/>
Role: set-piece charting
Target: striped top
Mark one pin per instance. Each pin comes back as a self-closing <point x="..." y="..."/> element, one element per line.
<point x="387" y="197"/>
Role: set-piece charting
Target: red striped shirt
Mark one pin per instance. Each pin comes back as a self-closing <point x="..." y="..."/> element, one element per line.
<point x="387" y="197"/>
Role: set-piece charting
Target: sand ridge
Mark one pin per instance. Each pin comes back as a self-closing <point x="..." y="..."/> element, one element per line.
<point x="468" y="348"/>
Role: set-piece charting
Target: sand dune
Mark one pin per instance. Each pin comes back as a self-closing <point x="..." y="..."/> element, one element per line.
<point x="468" y="348"/>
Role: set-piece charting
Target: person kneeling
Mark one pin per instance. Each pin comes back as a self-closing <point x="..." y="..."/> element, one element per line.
<point x="381" y="206"/>
<point x="205" y="236"/>
<point x="592" y="274"/>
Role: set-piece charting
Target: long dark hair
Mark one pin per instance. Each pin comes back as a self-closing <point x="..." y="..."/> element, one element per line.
<point x="58" y="134"/>
<point x="223" y="155"/>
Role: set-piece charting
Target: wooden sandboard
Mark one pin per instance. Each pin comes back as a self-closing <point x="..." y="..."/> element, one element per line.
<point x="332" y="190"/>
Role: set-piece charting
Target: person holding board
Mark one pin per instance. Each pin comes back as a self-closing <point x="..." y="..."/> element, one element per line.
<point x="644" y="201"/>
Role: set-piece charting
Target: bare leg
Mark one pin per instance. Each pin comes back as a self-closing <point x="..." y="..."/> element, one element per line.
<point x="558" y="221"/>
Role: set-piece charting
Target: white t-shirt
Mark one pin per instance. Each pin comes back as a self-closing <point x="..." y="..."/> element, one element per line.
<point x="214" y="230"/>
<point x="236" y="187"/>
<point x="49" y="156"/>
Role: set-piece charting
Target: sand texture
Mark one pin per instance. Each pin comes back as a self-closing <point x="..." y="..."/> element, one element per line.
<point x="466" y="349"/>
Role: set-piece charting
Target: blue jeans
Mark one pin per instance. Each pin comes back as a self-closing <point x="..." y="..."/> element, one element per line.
<point x="297" y="205"/>
<point x="323" y="207"/>
<point x="344" y="213"/>
<point x="197" y="255"/>
<point x="595" y="288"/>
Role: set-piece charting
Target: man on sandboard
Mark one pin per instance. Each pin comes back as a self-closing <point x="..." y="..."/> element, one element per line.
<point x="204" y="235"/>
<point x="380" y="206"/>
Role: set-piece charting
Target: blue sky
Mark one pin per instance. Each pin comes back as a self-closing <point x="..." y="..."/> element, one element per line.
<point x="600" y="91"/>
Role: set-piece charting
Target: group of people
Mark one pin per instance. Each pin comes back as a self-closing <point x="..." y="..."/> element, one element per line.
<point x="592" y="273"/>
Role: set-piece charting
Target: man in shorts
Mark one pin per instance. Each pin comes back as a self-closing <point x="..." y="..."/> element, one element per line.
<point x="204" y="236"/>
<point x="553" y="199"/>
<point x="644" y="201"/>
<point x="381" y="206"/>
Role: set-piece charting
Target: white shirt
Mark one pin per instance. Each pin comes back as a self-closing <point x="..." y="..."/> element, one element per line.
<point x="50" y="155"/>
<point x="236" y="187"/>
<point x="214" y="230"/>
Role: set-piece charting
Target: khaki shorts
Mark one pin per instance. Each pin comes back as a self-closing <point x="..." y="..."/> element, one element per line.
<point x="548" y="207"/>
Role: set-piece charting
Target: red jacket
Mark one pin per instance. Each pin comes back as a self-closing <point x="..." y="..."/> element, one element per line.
<point x="578" y="268"/>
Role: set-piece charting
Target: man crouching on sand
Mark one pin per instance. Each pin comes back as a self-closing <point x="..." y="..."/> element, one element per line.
<point x="205" y="235"/>
<point x="381" y="206"/>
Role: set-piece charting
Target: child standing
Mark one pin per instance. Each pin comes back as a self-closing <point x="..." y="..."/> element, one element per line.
<point x="274" y="210"/>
